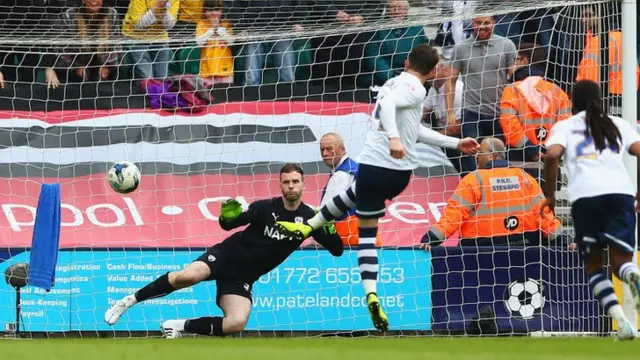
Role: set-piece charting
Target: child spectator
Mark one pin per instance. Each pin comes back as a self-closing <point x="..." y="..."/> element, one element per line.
<point x="213" y="35"/>
<point x="149" y="21"/>
<point x="90" y="60"/>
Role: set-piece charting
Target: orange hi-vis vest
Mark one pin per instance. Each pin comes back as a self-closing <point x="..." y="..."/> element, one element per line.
<point x="589" y="65"/>
<point x="529" y="108"/>
<point x="491" y="203"/>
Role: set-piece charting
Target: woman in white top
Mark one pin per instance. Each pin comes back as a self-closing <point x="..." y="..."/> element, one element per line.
<point x="601" y="193"/>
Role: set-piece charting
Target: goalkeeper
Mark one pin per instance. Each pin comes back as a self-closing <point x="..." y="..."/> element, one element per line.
<point x="237" y="262"/>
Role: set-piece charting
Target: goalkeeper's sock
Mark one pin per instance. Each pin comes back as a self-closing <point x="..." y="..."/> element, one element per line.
<point x="158" y="288"/>
<point x="602" y="288"/>
<point x="368" y="258"/>
<point x="335" y="208"/>
<point x="209" y="326"/>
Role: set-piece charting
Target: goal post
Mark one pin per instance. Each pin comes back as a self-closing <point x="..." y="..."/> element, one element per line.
<point x="211" y="142"/>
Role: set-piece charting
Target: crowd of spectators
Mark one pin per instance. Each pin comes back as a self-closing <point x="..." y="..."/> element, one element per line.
<point x="102" y="40"/>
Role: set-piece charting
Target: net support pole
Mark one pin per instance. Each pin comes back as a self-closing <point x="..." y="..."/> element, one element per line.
<point x="630" y="114"/>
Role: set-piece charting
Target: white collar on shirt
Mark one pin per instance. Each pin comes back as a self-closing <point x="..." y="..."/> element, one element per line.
<point x="339" y="163"/>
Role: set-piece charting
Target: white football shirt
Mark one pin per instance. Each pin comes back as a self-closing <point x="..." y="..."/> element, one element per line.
<point x="407" y="93"/>
<point x="593" y="173"/>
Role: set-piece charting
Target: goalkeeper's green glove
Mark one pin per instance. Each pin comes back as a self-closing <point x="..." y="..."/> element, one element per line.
<point x="329" y="228"/>
<point x="230" y="210"/>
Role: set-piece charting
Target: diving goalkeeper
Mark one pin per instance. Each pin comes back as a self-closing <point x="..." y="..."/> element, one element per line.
<point x="237" y="262"/>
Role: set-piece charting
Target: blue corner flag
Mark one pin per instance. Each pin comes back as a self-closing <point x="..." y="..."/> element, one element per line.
<point x="46" y="238"/>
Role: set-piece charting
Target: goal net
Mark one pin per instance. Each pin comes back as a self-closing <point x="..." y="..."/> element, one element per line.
<point x="211" y="108"/>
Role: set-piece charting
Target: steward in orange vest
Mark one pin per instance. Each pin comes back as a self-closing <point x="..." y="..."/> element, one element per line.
<point x="529" y="108"/>
<point x="589" y="70"/>
<point x="495" y="205"/>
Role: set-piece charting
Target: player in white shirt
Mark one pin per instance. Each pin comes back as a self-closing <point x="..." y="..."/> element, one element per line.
<point x="386" y="164"/>
<point x="601" y="193"/>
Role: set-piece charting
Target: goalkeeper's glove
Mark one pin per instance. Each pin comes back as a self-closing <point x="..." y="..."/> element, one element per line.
<point x="329" y="228"/>
<point x="230" y="210"/>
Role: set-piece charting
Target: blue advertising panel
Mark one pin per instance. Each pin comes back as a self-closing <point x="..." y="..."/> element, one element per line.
<point x="311" y="291"/>
<point x="529" y="289"/>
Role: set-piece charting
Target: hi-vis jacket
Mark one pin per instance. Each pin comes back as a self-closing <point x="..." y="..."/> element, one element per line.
<point x="529" y="108"/>
<point x="495" y="202"/>
<point x="589" y="70"/>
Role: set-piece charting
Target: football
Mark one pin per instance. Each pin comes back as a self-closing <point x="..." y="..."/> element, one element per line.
<point x="524" y="299"/>
<point x="124" y="177"/>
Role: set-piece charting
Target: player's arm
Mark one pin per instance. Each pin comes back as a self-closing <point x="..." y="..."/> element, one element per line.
<point x="329" y="240"/>
<point x="450" y="88"/>
<point x="232" y="216"/>
<point x="631" y="139"/>
<point x="467" y="146"/>
<point x="556" y="143"/>
<point x="388" y="102"/>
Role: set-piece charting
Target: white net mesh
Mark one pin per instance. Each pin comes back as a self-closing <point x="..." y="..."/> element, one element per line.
<point x="209" y="104"/>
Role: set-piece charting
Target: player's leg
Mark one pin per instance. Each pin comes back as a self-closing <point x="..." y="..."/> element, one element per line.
<point x="164" y="285"/>
<point x="375" y="185"/>
<point x="619" y="232"/>
<point x="588" y="216"/>
<point x="234" y="298"/>
<point x="335" y="208"/>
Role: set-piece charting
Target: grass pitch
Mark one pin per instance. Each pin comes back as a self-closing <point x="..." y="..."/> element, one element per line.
<point x="330" y="349"/>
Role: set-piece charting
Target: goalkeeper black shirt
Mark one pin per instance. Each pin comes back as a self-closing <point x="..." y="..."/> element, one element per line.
<point x="259" y="248"/>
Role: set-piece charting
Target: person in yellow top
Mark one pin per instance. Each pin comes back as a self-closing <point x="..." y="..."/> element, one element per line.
<point x="191" y="11"/>
<point x="213" y="35"/>
<point x="149" y="20"/>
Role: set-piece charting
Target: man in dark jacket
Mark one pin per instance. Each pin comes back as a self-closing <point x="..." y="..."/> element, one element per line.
<point x="339" y="55"/>
<point x="268" y="17"/>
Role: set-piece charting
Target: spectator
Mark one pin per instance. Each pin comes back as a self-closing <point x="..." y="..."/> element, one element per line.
<point x="453" y="32"/>
<point x="435" y="110"/>
<point x="486" y="62"/>
<point x="495" y="205"/>
<point x="257" y="16"/>
<point x="386" y="52"/>
<point x="213" y="35"/>
<point x="337" y="57"/>
<point x="91" y="60"/>
<point x="531" y="105"/>
<point x="150" y="21"/>
<point x="589" y="67"/>
<point x="190" y="13"/>
<point x="28" y="20"/>
<point x="344" y="172"/>
<point x="532" y="25"/>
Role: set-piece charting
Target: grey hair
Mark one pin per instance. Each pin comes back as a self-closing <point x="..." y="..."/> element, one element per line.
<point x="497" y="147"/>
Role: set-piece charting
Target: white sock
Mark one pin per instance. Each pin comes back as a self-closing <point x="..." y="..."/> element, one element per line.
<point x="627" y="269"/>
<point x="617" y="313"/>
<point x="177" y="325"/>
<point x="369" y="286"/>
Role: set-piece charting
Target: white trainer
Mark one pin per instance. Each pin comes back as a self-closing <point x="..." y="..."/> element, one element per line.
<point x="114" y="313"/>
<point x="633" y="280"/>
<point x="626" y="331"/>
<point x="172" y="329"/>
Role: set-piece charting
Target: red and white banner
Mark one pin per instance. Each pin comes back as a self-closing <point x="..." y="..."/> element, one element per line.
<point x="190" y="164"/>
<point x="182" y="211"/>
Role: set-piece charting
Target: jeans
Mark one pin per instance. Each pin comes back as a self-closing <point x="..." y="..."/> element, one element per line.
<point x="477" y="126"/>
<point x="283" y="55"/>
<point x="150" y="61"/>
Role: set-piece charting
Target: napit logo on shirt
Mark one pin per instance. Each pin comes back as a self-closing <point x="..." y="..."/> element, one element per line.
<point x="502" y="184"/>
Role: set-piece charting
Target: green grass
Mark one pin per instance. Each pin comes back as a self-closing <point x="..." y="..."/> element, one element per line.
<point x="312" y="349"/>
